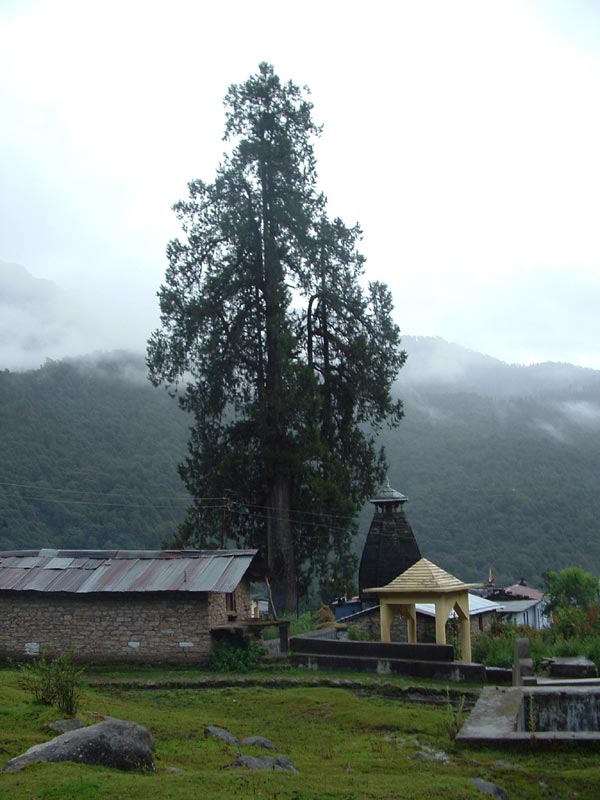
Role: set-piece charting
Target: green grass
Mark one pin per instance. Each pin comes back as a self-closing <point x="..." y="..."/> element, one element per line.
<point x="346" y="746"/>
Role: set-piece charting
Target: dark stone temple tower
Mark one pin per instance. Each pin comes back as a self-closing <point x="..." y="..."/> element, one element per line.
<point x="390" y="547"/>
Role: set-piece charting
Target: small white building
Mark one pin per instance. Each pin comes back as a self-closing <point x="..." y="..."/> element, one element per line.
<point x="530" y="612"/>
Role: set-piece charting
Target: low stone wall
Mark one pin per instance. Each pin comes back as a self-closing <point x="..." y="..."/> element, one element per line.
<point x="168" y="628"/>
<point x="385" y="650"/>
<point x="418" y="660"/>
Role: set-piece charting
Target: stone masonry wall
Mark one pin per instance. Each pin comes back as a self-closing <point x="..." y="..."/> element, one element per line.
<point x="154" y="628"/>
<point x="369" y="625"/>
<point x="217" y="605"/>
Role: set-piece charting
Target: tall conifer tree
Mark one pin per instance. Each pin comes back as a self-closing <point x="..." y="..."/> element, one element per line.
<point x="286" y="362"/>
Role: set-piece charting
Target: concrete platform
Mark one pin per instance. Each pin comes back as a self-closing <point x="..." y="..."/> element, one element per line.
<point x="505" y="717"/>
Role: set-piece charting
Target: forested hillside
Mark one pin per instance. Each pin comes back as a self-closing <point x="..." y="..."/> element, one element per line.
<point x="88" y="456"/>
<point x="500" y="462"/>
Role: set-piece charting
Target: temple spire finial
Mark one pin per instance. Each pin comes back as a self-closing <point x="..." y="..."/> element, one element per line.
<point x="388" y="498"/>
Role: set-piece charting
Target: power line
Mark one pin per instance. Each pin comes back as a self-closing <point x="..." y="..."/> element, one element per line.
<point x="54" y="489"/>
<point x="102" y="504"/>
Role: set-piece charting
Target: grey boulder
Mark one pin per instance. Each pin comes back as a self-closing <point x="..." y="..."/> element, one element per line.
<point x="215" y="732"/>
<point x="111" y="743"/>
<point x="258" y="741"/>
<point x="490" y="788"/>
<point x="273" y="763"/>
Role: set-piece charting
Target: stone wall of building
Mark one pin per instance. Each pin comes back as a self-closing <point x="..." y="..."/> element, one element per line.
<point x="167" y="628"/>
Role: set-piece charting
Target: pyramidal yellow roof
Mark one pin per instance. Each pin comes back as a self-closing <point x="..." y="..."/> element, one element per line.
<point x="424" y="577"/>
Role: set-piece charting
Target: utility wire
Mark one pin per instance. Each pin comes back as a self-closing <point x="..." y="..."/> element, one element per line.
<point x="96" y="503"/>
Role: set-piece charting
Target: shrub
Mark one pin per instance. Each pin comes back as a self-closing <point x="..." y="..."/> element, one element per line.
<point x="53" y="680"/>
<point x="298" y="624"/>
<point x="455" y="715"/>
<point x="592" y="649"/>
<point x="356" y="635"/>
<point x="571" y="622"/>
<point x="229" y="657"/>
<point x="566" y="648"/>
<point x="324" y="617"/>
<point x="494" y="651"/>
<point x="36" y="677"/>
<point x="67" y="683"/>
<point x="575" y="635"/>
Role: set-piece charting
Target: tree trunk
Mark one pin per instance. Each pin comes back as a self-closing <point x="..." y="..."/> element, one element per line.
<point x="280" y="546"/>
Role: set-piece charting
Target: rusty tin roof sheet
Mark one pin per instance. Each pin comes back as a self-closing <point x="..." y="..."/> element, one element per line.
<point x="84" y="572"/>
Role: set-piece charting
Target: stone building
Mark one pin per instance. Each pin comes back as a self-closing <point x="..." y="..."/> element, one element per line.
<point x="122" y="606"/>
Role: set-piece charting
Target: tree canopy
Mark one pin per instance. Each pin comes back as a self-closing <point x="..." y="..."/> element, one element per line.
<point x="571" y="587"/>
<point x="272" y="344"/>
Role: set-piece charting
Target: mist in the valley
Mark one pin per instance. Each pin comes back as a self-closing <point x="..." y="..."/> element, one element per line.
<point x="41" y="321"/>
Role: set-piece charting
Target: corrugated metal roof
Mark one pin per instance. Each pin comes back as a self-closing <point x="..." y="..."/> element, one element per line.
<point x="86" y="571"/>
<point x="424" y="576"/>
<point x="517" y="606"/>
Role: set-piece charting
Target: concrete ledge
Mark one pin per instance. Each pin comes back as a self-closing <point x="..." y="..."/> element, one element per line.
<point x="437" y="670"/>
<point x="498" y="675"/>
<point x="380" y="650"/>
<point x="500" y="719"/>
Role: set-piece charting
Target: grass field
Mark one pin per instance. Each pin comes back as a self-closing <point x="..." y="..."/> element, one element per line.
<point x="347" y="746"/>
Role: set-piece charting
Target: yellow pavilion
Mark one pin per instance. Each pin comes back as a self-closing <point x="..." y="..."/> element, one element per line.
<point x="425" y="582"/>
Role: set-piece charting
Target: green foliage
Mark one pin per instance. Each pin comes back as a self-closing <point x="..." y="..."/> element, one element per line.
<point x="531" y="720"/>
<point x="228" y="657"/>
<point x="356" y="635"/>
<point x="298" y="625"/>
<point x="494" y="650"/>
<point x="571" y="587"/>
<point x="53" y="680"/>
<point x="568" y="623"/>
<point x="37" y="677"/>
<point x="574" y="632"/>
<point x="346" y="744"/>
<point x="455" y="715"/>
<point x="302" y="624"/>
<point x="287" y="360"/>
<point x="503" y="481"/>
<point x="483" y="482"/>
<point x="88" y="457"/>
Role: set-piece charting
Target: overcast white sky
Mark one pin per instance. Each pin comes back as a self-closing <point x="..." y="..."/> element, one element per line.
<point x="463" y="136"/>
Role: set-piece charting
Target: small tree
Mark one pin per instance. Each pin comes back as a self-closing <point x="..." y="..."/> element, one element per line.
<point x="572" y="587"/>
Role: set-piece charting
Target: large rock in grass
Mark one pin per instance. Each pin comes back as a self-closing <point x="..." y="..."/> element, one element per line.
<point x="111" y="743"/>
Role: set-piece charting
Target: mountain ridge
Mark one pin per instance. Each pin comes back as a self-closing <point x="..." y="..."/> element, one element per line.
<point x="502" y="478"/>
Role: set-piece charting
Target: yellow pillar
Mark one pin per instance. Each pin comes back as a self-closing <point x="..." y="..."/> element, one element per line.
<point x="411" y="621"/>
<point x="442" y="610"/>
<point x="386" y="615"/>
<point x="464" y="626"/>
